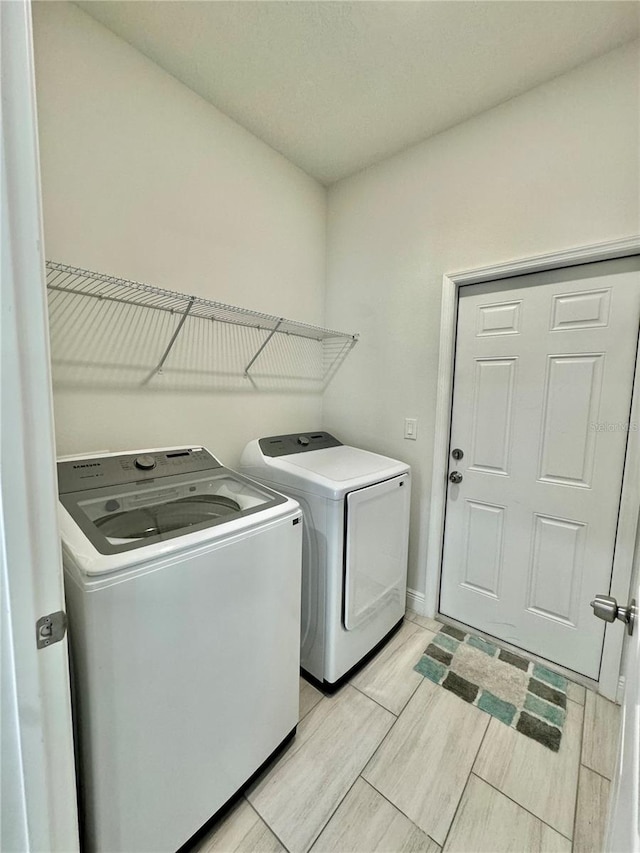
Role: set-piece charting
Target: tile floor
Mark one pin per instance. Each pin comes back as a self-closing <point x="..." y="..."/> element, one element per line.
<point x="395" y="763"/>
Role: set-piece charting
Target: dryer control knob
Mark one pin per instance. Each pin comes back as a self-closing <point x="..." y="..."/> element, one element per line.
<point x="146" y="462"/>
<point x="303" y="440"/>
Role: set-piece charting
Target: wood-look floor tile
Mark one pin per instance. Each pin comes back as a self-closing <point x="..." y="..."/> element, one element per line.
<point x="366" y="823"/>
<point x="424" y="762"/>
<point x="423" y="621"/>
<point x="542" y="781"/>
<point x="334" y="742"/>
<point x="242" y="831"/>
<point x="309" y="697"/>
<point x="390" y="678"/>
<point x="601" y="729"/>
<point x="489" y="822"/>
<point x="576" y="692"/>
<point x="591" y="815"/>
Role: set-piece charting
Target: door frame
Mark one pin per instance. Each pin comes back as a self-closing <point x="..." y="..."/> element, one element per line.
<point x="608" y="684"/>
<point x="38" y="774"/>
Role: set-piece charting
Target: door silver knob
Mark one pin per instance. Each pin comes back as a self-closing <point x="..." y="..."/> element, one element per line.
<point x="605" y="607"/>
<point x="455" y="477"/>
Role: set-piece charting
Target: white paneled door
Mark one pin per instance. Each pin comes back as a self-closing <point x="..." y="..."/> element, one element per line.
<point x="544" y="373"/>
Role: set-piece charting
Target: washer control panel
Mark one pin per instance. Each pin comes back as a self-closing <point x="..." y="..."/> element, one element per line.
<point x="297" y="442"/>
<point x="75" y="475"/>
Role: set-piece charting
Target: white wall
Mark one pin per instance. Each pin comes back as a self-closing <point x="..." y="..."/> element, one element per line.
<point x="143" y="179"/>
<point x="554" y="168"/>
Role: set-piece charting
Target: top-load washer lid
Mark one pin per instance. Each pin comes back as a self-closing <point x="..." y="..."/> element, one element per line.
<point x="127" y="501"/>
<point x="317" y="463"/>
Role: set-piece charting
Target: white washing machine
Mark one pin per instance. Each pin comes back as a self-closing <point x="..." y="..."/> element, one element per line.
<point x="183" y="594"/>
<point x="354" y="558"/>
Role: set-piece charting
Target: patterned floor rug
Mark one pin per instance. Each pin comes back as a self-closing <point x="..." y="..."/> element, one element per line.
<point x="522" y="694"/>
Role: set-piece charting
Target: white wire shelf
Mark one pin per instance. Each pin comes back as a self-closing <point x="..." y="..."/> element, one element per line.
<point x="74" y="281"/>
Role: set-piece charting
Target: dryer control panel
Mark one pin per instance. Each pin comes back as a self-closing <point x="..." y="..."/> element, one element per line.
<point x="75" y="475"/>
<point x="297" y="442"/>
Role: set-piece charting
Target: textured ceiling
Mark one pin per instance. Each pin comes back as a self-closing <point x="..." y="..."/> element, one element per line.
<point x="337" y="86"/>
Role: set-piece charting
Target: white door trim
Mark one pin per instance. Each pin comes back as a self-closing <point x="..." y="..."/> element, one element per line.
<point x="38" y="771"/>
<point x="630" y="504"/>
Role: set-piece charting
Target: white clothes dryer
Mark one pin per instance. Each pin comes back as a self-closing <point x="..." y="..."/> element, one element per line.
<point x="183" y="595"/>
<point x="355" y="544"/>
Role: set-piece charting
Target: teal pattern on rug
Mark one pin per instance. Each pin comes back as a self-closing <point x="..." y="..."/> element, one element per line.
<point x="520" y="693"/>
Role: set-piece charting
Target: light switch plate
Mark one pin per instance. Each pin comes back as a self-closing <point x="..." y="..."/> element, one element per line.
<point x="411" y="428"/>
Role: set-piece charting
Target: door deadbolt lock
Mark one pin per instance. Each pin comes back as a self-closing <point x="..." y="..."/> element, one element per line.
<point x="455" y="477"/>
<point x="605" y="607"/>
<point x="457" y="453"/>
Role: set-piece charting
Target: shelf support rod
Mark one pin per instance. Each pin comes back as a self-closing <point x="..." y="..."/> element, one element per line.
<point x="263" y="345"/>
<point x="165" y="354"/>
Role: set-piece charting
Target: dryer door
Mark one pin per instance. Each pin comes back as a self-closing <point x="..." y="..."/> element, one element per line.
<point x="376" y="548"/>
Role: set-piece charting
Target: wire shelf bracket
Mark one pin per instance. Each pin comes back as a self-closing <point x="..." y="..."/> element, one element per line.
<point x="263" y="345"/>
<point x="158" y="367"/>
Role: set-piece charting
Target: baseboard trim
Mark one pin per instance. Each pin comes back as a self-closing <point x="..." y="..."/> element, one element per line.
<point x="415" y="601"/>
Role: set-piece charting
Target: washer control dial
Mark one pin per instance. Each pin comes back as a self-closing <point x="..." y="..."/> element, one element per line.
<point x="145" y="462"/>
<point x="303" y="440"/>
